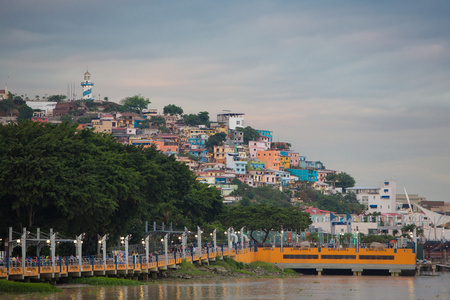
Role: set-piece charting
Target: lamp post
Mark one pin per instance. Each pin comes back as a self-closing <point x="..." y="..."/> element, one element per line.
<point x="215" y="241"/>
<point x="126" y="240"/>
<point x="147" y="247"/>
<point x="184" y="242"/>
<point x="281" y="238"/>
<point x="102" y="243"/>
<point x="229" y="241"/>
<point x="53" y="250"/>
<point x="199" y="242"/>
<point x="357" y="239"/>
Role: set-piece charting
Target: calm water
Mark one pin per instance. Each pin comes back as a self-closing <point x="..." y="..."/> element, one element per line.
<point x="309" y="287"/>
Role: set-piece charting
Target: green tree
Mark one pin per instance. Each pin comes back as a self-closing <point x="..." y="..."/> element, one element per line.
<point x="6" y="105"/>
<point x="313" y="237"/>
<point x="56" y="98"/>
<point x="216" y="140"/>
<point x="67" y="118"/>
<point x="203" y="118"/>
<point x="262" y="195"/>
<point x="52" y="176"/>
<point x="158" y="121"/>
<point x="135" y="103"/>
<point x="25" y="113"/>
<point x="191" y="120"/>
<point x="250" y="134"/>
<point x="84" y="120"/>
<point x="172" y="110"/>
<point x="18" y="100"/>
<point x="341" y="180"/>
<point x="266" y="218"/>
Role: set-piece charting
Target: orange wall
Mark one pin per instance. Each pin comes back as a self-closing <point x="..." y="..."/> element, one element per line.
<point x="274" y="255"/>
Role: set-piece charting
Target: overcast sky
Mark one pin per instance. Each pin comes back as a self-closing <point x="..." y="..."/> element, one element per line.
<point x="363" y="87"/>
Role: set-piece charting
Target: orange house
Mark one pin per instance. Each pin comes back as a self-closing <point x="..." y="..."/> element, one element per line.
<point x="271" y="158"/>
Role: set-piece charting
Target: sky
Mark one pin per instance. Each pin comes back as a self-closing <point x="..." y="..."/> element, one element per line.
<point x="362" y="86"/>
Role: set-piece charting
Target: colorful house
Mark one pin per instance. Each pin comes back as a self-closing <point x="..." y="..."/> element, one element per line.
<point x="304" y="174"/>
<point x="271" y="158"/>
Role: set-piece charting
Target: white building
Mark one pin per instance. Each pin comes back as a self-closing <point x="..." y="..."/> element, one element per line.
<point x="377" y="199"/>
<point x="233" y="120"/>
<point x="45" y="106"/>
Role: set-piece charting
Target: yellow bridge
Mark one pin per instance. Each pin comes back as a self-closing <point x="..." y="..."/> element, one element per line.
<point x="393" y="261"/>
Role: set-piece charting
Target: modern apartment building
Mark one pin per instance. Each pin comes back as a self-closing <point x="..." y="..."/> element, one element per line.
<point x="377" y="199"/>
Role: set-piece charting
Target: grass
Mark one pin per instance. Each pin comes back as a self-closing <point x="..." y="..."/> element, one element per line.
<point x="105" y="281"/>
<point x="239" y="267"/>
<point x="265" y="266"/>
<point x="189" y="269"/>
<point x="13" y="287"/>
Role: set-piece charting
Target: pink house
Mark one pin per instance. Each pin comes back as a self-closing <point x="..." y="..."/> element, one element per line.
<point x="255" y="146"/>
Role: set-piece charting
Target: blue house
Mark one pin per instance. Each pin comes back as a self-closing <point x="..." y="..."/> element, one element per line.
<point x="202" y="154"/>
<point x="304" y="174"/>
<point x="265" y="133"/>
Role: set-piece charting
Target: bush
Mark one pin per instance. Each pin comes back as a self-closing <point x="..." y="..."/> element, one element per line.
<point x="13" y="287"/>
<point x="105" y="281"/>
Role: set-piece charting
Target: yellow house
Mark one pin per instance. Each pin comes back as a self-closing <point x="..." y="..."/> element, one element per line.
<point x="285" y="162"/>
<point x="103" y="125"/>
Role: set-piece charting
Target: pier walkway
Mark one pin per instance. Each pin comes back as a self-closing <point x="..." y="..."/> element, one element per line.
<point x="319" y="260"/>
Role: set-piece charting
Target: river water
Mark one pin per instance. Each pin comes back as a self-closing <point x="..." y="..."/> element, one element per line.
<point x="304" y="287"/>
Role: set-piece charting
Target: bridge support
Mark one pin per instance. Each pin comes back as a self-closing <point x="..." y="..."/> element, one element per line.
<point x="357" y="271"/>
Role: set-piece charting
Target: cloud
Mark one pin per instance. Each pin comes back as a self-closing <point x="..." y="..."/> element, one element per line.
<point x="363" y="87"/>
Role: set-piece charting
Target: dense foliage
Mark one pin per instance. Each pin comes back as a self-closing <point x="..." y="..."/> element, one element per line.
<point x="202" y="118"/>
<point x="250" y="134"/>
<point x="266" y="218"/>
<point x="215" y="140"/>
<point x="52" y="176"/>
<point x="25" y="113"/>
<point x="341" y="180"/>
<point x="261" y="195"/>
<point x="14" y="287"/>
<point x="172" y="110"/>
<point x="135" y="104"/>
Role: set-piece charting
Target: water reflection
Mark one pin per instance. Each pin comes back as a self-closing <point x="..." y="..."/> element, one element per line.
<point x="312" y="287"/>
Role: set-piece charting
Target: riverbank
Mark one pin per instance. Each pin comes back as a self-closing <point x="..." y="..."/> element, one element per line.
<point x="226" y="268"/>
<point x="13" y="287"/>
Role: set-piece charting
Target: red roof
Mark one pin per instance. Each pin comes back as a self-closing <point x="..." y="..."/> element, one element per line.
<point x="316" y="211"/>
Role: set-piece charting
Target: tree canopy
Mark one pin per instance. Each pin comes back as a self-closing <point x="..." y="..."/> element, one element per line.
<point x="25" y="113"/>
<point x="202" y="118"/>
<point x="261" y="195"/>
<point x="250" y="134"/>
<point x="342" y="180"/>
<point x="56" y="98"/>
<point x="6" y="105"/>
<point x="53" y="176"/>
<point x="266" y="218"/>
<point x="172" y="110"/>
<point x="216" y="140"/>
<point x="135" y="103"/>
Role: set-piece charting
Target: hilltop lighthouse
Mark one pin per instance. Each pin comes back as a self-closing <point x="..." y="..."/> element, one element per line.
<point x="87" y="85"/>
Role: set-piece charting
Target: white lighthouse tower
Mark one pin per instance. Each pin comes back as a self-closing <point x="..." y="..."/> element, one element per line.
<point x="87" y="85"/>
